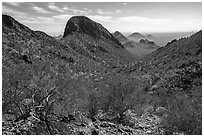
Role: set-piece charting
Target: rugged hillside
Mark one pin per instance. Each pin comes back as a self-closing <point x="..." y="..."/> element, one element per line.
<point x="178" y="52"/>
<point x="87" y="83"/>
<point x="55" y="88"/>
<point x="174" y="73"/>
<point x="20" y="41"/>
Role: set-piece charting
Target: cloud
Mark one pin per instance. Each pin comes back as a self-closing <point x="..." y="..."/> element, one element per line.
<point x="88" y="10"/>
<point x="75" y="11"/>
<point x="8" y="10"/>
<point x="63" y="17"/>
<point x="53" y="7"/>
<point x="100" y="18"/>
<point x="39" y="20"/>
<point x="118" y="11"/>
<point x="45" y="19"/>
<point x="99" y="11"/>
<point x="65" y="8"/>
<point x="78" y="11"/>
<point x="41" y="10"/>
<point x="138" y="19"/>
<point x="14" y="3"/>
<point x="144" y="24"/>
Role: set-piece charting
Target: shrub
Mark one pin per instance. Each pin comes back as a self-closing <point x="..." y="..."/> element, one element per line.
<point x="118" y="98"/>
<point x="184" y="116"/>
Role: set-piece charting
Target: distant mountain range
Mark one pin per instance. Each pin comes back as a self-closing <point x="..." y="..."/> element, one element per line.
<point x="148" y="44"/>
<point x="135" y="36"/>
<point x="137" y="43"/>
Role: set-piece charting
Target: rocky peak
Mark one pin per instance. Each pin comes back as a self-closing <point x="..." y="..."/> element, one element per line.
<point x="119" y="36"/>
<point x="84" y="25"/>
<point x="11" y="23"/>
<point x="146" y="41"/>
<point x="136" y="35"/>
<point x="117" y="33"/>
<point x="8" y="20"/>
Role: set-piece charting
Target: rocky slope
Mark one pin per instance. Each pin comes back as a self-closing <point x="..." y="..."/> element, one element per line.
<point x="84" y="25"/>
<point x="94" y="41"/>
<point x="55" y="88"/>
<point x="174" y="73"/>
<point x="178" y="52"/>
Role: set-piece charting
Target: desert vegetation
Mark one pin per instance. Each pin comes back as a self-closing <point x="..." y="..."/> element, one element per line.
<point x="82" y="85"/>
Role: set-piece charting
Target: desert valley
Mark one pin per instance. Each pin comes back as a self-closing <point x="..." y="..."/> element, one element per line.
<point x="88" y="81"/>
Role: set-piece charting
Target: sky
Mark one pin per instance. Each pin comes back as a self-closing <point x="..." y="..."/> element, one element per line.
<point x="126" y="17"/>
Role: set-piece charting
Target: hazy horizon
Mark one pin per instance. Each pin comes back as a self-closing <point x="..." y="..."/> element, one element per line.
<point x="143" y="17"/>
<point x="143" y="33"/>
